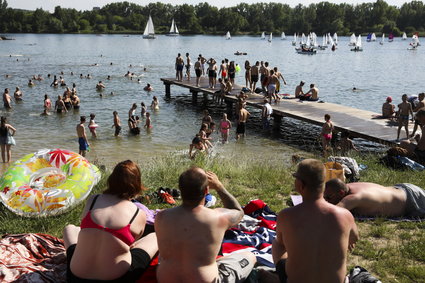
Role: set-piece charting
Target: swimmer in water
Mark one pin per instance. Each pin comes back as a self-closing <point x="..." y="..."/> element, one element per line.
<point x="93" y="125"/>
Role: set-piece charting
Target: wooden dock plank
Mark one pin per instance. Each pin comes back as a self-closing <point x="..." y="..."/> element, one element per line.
<point x="356" y="121"/>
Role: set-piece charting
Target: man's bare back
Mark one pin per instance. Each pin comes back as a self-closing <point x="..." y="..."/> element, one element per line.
<point x="243" y="115"/>
<point x="370" y="199"/>
<point x="316" y="251"/>
<point x="81" y="131"/>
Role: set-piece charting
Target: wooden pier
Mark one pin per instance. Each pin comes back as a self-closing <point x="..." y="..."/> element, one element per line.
<point x="359" y="123"/>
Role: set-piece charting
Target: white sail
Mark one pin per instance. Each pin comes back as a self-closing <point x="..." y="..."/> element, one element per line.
<point x="359" y="42"/>
<point x="228" y="35"/>
<point x="271" y="37"/>
<point x="415" y="41"/>
<point x="283" y="36"/>
<point x="294" y="42"/>
<point x="352" y="40"/>
<point x="324" y="41"/>
<point x="382" y="39"/>
<point x="404" y="37"/>
<point x="373" y="37"/>
<point x="263" y="35"/>
<point x="149" y="32"/>
<point x="302" y="39"/>
<point x="173" y="29"/>
<point x="336" y="39"/>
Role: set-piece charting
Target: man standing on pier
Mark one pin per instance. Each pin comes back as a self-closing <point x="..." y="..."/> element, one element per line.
<point x="198" y="71"/>
<point x="179" y="67"/>
<point x="404" y="109"/>
<point x="188" y="64"/>
<point x="254" y="76"/>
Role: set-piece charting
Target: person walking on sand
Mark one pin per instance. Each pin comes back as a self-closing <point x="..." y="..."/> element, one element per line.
<point x="404" y="109"/>
<point x="188" y="64"/>
<point x="179" y="67"/>
<point x="7" y="99"/>
<point x="186" y="256"/>
<point x="326" y="134"/>
<point x="225" y="126"/>
<point x="117" y="124"/>
<point x="82" y="137"/>
<point x="304" y="251"/>
<point x="6" y="139"/>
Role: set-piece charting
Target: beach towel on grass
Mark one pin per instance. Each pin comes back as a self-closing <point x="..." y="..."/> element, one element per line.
<point x="32" y="258"/>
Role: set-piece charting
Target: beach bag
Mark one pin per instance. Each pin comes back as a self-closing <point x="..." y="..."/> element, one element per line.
<point x="10" y="140"/>
<point x="334" y="170"/>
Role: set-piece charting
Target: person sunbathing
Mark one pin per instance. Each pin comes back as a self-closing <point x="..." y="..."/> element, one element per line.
<point x="370" y="199"/>
<point x="109" y="245"/>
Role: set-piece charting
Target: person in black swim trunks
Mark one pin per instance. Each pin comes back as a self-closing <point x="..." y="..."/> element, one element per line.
<point x="404" y="109"/>
<point x="212" y="72"/>
<point x="254" y="75"/>
<point x="179" y="67"/>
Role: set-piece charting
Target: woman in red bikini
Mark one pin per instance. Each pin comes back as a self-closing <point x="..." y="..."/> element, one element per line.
<point x="109" y="244"/>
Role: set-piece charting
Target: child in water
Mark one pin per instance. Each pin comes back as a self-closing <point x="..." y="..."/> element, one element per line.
<point x="326" y="134"/>
<point x="143" y="106"/>
<point x="148" y="124"/>
<point x="93" y="125"/>
<point x="225" y="126"/>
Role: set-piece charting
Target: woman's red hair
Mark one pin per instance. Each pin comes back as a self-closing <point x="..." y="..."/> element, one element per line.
<point x="125" y="181"/>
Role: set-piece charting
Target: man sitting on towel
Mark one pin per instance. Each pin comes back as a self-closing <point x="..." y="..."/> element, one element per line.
<point x="312" y="238"/>
<point x="370" y="199"/>
<point x="190" y="235"/>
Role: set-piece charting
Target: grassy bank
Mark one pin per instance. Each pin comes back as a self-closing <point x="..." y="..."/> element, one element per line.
<point x="394" y="252"/>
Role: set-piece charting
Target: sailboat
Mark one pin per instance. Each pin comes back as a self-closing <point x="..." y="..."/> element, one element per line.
<point x="335" y="38"/>
<point x="369" y="37"/>
<point x="263" y="35"/>
<point x="383" y="39"/>
<point x="324" y="43"/>
<point x="271" y="37"/>
<point x="283" y="36"/>
<point x="228" y="35"/>
<point x="390" y="37"/>
<point x="404" y="37"/>
<point x="294" y="42"/>
<point x="358" y="46"/>
<point x="415" y="43"/>
<point x="352" y="40"/>
<point x="373" y="37"/>
<point x="173" y="29"/>
<point x="149" y="32"/>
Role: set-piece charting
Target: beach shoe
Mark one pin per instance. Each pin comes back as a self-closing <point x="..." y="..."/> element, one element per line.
<point x="360" y="275"/>
<point x="210" y="200"/>
<point x="175" y="193"/>
<point x="166" y="197"/>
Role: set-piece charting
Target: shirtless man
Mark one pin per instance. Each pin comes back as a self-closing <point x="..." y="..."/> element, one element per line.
<point x="272" y="82"/>
<point x="197" y="146"/>
<point x="100" y="86"/>
<point x="299" y="90"/>
<point x="388" y="109"/>
<point x="312" y="94"/>
<point x="117" y="123"/>
<point x="419" y="106"/>
<point x="190" y="235"/>
<point x="7" y="99"/>
<point x="75" y="101"/>
<point x="60" y="105"/>
<point x="82" y="137"/>
<point x="243" y="115"/>
<point x="303" y="250"/>
<point x="212" y="72"/>
<point x="254" y="76"/>
<point x="203" y="61"/>
<point x="198" y="71"/>
<point x="404" y="109"/>
<point x="264" y="72"/>
<point x="223" y="70"/>
<point x="18" y="94"/>
<point x="179" y="67"/>
<point x="370" y="199"/>
<point x="279" y="76"/>
<point x="188" y="64"/>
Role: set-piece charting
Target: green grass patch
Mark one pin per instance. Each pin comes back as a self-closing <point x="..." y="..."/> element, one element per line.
<point x="393" y="252"/>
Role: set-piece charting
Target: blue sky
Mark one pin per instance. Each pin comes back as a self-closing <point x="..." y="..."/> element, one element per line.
<point x="89" y="4"/>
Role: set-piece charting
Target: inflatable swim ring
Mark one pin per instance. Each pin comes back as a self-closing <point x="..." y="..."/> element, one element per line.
<point x="237" y="68"/>
<point x="47" y="182"/>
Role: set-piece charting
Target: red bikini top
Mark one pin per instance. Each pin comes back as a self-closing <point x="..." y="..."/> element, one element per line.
<point x="124" y="233"/>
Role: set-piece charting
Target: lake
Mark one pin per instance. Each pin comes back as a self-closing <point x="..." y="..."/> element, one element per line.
<point x="377" y="72"/>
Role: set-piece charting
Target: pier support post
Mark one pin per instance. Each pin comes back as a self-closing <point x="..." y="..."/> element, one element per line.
<point x="277" y="121"/>
<point x="167" y="90"/>
<point x="194" y="96"/>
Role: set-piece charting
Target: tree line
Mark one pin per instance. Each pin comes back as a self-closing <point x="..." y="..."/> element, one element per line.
<point x="126" y="17"/>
